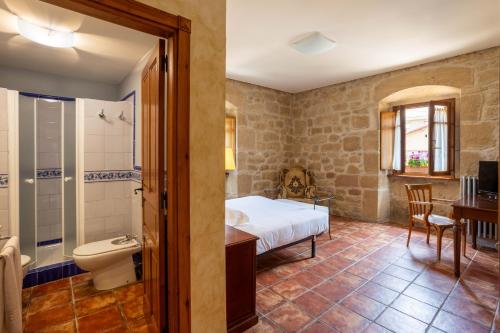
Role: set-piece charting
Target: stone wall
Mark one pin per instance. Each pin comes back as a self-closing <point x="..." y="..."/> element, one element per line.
<point x="263" y="135"/>
<point x="336" y="131"/>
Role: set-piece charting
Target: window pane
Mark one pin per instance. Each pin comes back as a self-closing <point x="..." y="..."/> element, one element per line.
<point x="440" y="137"/>
<point x="417" y="140"/>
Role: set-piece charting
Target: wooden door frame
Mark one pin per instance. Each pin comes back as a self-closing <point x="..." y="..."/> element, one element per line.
<point x="176" y="29"/>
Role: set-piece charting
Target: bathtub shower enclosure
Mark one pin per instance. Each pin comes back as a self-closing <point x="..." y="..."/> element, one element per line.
<point x="47" y="177"/>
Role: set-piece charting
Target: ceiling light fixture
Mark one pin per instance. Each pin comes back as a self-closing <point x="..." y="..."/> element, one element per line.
<point x="45" y="36"/>
<point x="315" y="43"/>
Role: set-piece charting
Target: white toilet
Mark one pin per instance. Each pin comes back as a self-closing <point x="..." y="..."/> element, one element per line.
<point x="109" y="261"/>
<point x="25" y="263"/>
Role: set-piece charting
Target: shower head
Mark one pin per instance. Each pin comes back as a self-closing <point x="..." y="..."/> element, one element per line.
<point x="101" y="114"/>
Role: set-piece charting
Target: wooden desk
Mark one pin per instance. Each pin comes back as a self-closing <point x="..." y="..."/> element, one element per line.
<point x="475" y="208"/>
<point x="241" y="270"/>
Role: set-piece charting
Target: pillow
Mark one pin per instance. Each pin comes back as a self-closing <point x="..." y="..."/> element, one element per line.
<point x="236" y="217"/>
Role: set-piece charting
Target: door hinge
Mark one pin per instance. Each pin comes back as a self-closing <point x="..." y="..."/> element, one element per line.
<point x="163" y="199"/>
<point x="165" y="63"/>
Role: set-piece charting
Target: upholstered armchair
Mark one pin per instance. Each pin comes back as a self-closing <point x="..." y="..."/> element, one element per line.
<point x="296" y="184"/>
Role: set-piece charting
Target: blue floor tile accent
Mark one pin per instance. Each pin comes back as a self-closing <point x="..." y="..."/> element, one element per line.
<point x="67" y="269"/>
<point x="50" y="273"/>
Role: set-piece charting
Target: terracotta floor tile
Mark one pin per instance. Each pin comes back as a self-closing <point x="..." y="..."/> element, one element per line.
<point x="363" y="270"/>
<point x="141" y="325"/>
<point x="378" y="293"/>
<point x="54" y="316"/>
<point x="332" y="291"/>
<point x="264" y="326"/>
<point x="464" y="291"/>
<point x="290" y="317"/>
<point x="348" y="280"/>
<point x="68" y="327"/>
<point x="50" y="287"/>
<point x="401" y="272"/>
<point x="129" y="292"/>
<point x="77" y="279"/>
<point x="450" y="323"/>
<point x="413" y="264"/>
<point x="267" y="300"/>
<point x="26" y="296"/>
<point x="400" y="322"/>
<point x="376" y="328"/>
<point x="109" y="317"/>
<point x="318" y="327"/>
<point x="469" y="310"/>
<point x="84" y="289"/>
<point x="307" y="279"/>
<point x="313" y="303"/>
<point x="323" y="270"/>
<point x="94" y="303"/>
<point x="425" y="295"/>
<point x="338" y="262"/>
<point x="344" y="320"/>
<point x="416" y="309"/>
<point x="364" y="306"/>
<point x="289" y="289"/>
<point x="391" y="282"/>
<point x="437" y="282"/>
<point x="267" y="278"/>
<point x="49" y="300"/>
<point x="134" y="309"/>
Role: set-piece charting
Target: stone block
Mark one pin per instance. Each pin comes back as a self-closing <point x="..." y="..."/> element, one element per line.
<point x="360" y="122"/>
<point x="370" y="162"/>
<point x="471" y="107"/>
<point x="351" y="143"/>
<point x="479" y="135"/>
<point x="347" y="181"/>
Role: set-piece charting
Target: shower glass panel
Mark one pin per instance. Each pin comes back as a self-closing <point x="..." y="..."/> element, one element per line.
<point x="47" y="175"/>
<point x="27" y="185"/>
<point x="69" y="174"/>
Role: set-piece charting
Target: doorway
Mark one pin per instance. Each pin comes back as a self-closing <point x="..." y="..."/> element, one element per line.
<point x="173" y="202"/>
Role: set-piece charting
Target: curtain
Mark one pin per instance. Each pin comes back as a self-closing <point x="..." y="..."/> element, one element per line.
<point x="440" y="137"/>
<point x="396" y="159"/>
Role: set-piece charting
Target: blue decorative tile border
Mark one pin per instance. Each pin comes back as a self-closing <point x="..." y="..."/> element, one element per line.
<point x="136" y="176"/>
<point x="49" y="242"/>
<point x="4" y="181"/>
<point x="107" y="176"/>
<point x="49" y="173"/>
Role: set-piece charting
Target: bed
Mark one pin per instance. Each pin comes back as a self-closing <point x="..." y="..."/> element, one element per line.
<point x="277" y="223"/>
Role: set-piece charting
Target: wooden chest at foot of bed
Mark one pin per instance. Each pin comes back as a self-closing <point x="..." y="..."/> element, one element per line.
<point x="241" y="269"/>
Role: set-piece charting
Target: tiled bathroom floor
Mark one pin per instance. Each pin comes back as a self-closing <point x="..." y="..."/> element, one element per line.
<point x="74" y="305"/>
<point x="367" y="280"/>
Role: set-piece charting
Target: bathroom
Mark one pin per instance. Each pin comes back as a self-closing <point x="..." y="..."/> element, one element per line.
<point x="70" y="150"/>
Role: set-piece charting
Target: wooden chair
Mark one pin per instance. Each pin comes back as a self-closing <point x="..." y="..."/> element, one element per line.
<point x="420" y="208"/>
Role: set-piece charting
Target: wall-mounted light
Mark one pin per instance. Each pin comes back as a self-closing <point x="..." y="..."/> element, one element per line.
<point x="45" y="36"/>
<point x="314" y="43"/>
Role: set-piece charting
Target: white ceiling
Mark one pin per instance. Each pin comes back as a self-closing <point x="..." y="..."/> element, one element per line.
<point x="103" y="52"/>
<point x="373" y="36"/>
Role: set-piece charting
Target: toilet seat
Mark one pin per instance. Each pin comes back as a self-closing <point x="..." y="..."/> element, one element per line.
<point x="101" y="247"/>
<point x="25" y="260"/>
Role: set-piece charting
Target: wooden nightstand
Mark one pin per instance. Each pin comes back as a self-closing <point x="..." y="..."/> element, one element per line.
<point x="241" y="269"/>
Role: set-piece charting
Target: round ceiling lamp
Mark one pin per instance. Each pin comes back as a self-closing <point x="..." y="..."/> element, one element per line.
<point x="45" y="36"/>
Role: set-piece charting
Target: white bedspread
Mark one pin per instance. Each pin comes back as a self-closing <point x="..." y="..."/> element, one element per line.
<point x="276" y="222"/>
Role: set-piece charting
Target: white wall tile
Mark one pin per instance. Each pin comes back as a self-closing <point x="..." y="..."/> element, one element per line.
<point x="4" y="163"/>
<point x="94" y="143"/>
<point x="94" y="161"/>
<point x="94" y="192"/>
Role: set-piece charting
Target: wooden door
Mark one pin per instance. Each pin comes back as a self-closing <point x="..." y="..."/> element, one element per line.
<point x="153" y="178"/>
